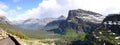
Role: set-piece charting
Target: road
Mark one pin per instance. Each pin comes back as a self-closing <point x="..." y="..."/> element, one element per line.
<point x="7" y="41"/>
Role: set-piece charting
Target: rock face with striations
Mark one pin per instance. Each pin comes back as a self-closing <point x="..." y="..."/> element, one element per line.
<point x="112" y="22"/>
<point x="87" y="16"/>
<point x="81" y="20"/>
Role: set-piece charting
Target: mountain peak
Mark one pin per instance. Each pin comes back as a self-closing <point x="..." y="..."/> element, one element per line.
<point x="3" y="18"/>
<point x="85" y="12"/>
<point x="61" y="17"/>
<point x="85" y="15"/>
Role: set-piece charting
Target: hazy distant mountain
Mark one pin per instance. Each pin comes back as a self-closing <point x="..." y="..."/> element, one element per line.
<point x="36" y="23"/>
<point x="8" y="24"/>
<point x="61" y="17"/>
<point x="4" y="20"/>
<point x="56" y="22"/>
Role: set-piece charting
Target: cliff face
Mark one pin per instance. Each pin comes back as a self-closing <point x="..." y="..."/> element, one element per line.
<point x="81" y="20"/>
<point x="84" y="15"/>
<point x="107" y="33"/>
<point x="112" y="22"/>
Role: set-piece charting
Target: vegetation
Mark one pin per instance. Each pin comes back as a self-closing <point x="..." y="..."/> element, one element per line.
<point x="69" y="32"/>
<point x="18" y="34"/>
<point x="70" y="37"/>
<point x="51" y="27"/>
<point x="107" y="36"/>
<point x="39" y="34"/>
<point x="33" y="33"/>
<point x="99" y="37"/>
<point x="34" y="41"/>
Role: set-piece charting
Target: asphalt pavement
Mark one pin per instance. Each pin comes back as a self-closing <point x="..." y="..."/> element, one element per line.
<point x="7" y="41"/>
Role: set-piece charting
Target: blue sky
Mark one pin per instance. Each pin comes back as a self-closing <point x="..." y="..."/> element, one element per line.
<point x="25" y="9"/>
<point x="25" y="4"/>
<point x="18" y="6"/>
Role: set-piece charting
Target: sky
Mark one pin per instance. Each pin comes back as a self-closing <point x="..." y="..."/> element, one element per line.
<point x="25" y="9"/>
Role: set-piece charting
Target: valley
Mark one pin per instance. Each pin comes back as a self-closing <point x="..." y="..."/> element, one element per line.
<point x="59" y="22"/>
<point x="81" y="27"/>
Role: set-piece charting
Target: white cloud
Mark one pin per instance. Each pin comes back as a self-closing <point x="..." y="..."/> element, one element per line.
<point x="18" y="8"/>
<point x="55" y="8"/>
<point x="2" y="13"/>
<point x="3" y="6"/>
<point x="12" y="12"/>
<point x="45" y="9"/>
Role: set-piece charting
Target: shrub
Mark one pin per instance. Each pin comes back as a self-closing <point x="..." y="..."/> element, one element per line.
<point x="69" y="32"/>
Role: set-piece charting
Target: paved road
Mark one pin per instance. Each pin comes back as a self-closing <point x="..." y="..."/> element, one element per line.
<point x="7" y="41"/>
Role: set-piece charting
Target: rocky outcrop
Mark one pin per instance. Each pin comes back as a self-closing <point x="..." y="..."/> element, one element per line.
<point x="86" y="16"/>
<point x="107" y="31"/>
<point x="81" y="20"/>
<point x="112" y="22"/>
<point x="3" y="34"/>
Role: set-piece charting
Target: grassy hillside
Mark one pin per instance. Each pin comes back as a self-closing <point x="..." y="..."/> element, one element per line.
<point x="32" y="33"/>
<point x="32" y="37"/>
<point x="16" y="33"/>
<point x="40" y="34"/>
<point x="69" y="36"/>
<point x="34" y="41"/>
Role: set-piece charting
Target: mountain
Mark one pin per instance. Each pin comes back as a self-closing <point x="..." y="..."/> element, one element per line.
<point x="78" y="27"/>
<point x="4" y="20"/>
<point x="107" y="33"/>
<point x="33" y="23"/>
<point x="84" y="15"/>
<point x="105" y="30"/>
<point x="8" y="35"/>
<point x="61" y="17"/>
<point x="80" y="20"/>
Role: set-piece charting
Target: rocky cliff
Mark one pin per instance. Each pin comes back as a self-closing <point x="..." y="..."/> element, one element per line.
<point x="81" y="20"/>
<point x="107" y="33"/>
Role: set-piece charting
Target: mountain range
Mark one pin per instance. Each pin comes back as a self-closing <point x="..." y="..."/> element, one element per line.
<point x="33" y="23"/>
<point x="79" y="19"/>
<point x="77" y="23"/>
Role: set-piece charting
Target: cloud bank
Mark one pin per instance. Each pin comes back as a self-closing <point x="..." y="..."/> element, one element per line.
<point x="55" y="8"/>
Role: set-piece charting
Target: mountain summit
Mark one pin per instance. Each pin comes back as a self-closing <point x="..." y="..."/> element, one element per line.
<point x="62" y="17"/>
<point x="85" y="15"/>
<point x="81" y="20"/>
